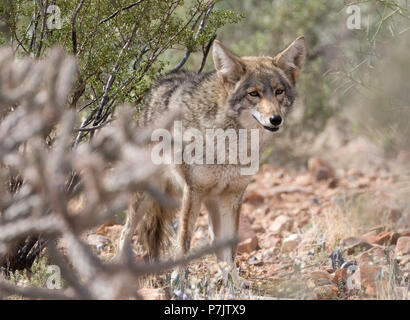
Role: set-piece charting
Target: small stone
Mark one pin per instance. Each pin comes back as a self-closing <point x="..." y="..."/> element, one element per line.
<point x="152" y="294"/>
<point x="258" y="228"/>
<point x="303" y="180"/>
<point x="290" y="243"/>
<point x="320" y="169"/>
<point x="248" y="240"/>
<point x="253" y="197"/>
<point x="255" y="261"/>
<point x="403" y="246"/>
<point x="333" y="183"/>
<point x="280" y="224"/>
<point x="247" y="246"/>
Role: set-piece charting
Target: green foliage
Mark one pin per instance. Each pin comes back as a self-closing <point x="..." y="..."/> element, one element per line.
<point x="99" y="31"/>
<point x="37" y="276"/>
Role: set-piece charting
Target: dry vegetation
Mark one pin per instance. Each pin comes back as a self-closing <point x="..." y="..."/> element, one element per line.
<point x="64" y="191"/>
<point x="44" y="174"/>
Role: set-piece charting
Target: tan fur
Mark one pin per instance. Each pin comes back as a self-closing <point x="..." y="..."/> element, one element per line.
<point x="222" y="100"/>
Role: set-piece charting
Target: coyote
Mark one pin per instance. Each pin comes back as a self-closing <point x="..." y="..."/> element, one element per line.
<point x="242" y="93"/>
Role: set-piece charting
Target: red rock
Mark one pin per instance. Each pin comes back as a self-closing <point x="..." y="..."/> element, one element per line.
<point x="245" y="228"/>
<point x="248" y="241"/>
<point x="303" y="180"/>
<point x="280" y="224"/>
<point x="368" y="274"/>
<point x="253" y="197"/>
<point x="333" y="183"/>
<point x="403" y="246"/>
<point x="320" y="169"/>
<point x="340" y="276"/>
<point x="247" y="246"/>
<point x="384" y="238"/>
<point x="152" y="294"/>
<point x="364" y="258"/>
<point x="354" y="245"/>
<point x="290" y="243"/>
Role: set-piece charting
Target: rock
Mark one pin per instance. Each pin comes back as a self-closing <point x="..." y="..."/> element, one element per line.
<point x="290" y="243"/>
<point x="384" y="238"/>
<point x="303" y="180"/>
<point x="371" y="235"/>
<point x="253" y="197"/>
<point x="375" y="255"/>
<point x="247" y="246"/>
<point x="402" y="246"/>
<point x="245" y="228"/>
<point x="254" y="261"/>
<point x="320" y="278"/>
<point x="340" y="276"/>
<point x="404" y="233"/>
<point x="320" y="170"/>
<point x="326" y="292"/>
<point x="258" y="228"/>
<point x="355" y="245"/>
<point x="404" y="261"/>
<point x="248" y="241"/>
<point x="152" y="294"/>
<point x="333" y="183"/>
<point x="272" y="242"/>
<point x="368" y="274"/>
<point x="280" y="224"/>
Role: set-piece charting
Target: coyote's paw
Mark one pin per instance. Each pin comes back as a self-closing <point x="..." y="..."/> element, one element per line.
<point x="231" y="278"/>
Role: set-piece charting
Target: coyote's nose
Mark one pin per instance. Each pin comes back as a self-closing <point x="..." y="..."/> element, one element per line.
<point x="276" y="120"/>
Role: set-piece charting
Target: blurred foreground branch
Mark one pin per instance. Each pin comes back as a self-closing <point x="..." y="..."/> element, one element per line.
<point x="36" y="138"/>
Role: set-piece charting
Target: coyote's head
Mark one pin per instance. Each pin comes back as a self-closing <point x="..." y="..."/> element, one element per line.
<point x="262" y="88"/>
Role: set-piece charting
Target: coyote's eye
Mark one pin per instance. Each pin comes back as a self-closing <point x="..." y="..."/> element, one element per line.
<point x="254" y="94"/>
<point x="278" y="92"/>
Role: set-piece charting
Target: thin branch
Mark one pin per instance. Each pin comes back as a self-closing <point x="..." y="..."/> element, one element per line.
<point x="43" y="31"/>
<point x="94" y="127"/>
<point x="74" y="26"/>
<point x="111" y="77"/>
<point x="197" y="34"/>
<point x="206" y="52"/>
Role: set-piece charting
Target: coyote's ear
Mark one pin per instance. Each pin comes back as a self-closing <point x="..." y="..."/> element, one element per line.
<point x="292" y="59"/>
<point x="229" y="67"/>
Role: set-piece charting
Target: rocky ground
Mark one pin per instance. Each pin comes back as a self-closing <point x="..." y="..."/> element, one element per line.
<point x="323" y="233"/>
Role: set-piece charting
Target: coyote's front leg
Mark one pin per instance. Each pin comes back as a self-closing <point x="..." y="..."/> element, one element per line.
<point x="191" y="205"/>
<point x="224" y="212"/>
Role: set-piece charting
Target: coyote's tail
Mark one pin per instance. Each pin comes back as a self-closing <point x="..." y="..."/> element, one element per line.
<point x="156" y="230"/>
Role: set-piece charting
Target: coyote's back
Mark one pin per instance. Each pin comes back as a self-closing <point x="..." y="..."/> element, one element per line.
<point x="248" y="93"/>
